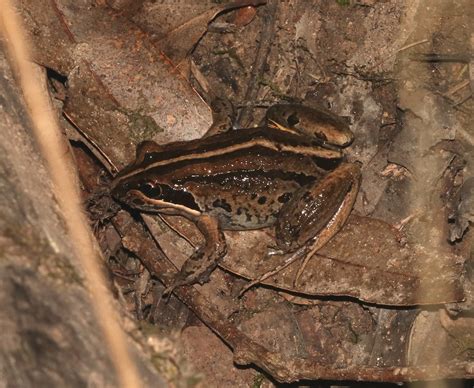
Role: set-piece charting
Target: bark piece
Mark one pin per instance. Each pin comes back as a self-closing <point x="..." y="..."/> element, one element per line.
<point x="49" y="334"/>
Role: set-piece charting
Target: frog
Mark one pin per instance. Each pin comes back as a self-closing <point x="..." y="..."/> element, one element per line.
<point x="288" y="173"/>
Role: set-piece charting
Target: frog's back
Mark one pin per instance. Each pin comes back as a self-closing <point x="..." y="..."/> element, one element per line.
<point x="244" y="189"/>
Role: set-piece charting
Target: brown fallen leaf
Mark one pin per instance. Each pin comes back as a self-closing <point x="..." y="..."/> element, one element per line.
<point x="312" y="332"/>
<point x="176" y="30"/>
<point x="121" y="90"/>
<point x="368" y="260"/>
<point x="370" y="342"/>
<point x="365" y="260"/>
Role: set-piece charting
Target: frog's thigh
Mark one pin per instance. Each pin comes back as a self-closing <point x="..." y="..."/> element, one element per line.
<point x="313" y="206"/>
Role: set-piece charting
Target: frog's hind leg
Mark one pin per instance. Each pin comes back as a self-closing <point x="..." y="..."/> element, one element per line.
<point x="330" y="204"/>
<point x="204" y="260"/>
<point x="316" y="213"/>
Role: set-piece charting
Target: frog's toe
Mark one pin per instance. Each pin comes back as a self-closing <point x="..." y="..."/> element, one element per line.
<point x="273" y="251"/>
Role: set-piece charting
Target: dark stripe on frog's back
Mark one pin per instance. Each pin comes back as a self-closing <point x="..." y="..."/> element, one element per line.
<point x="247" y="180"/>
<point x="250" y="159"/>
<point x="228" y="139"/>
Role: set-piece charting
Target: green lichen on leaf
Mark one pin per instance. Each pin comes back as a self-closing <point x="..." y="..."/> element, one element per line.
<point x="143" y="126"/>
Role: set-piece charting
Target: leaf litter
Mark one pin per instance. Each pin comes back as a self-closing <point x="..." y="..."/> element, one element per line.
<point x="121" y="89"/>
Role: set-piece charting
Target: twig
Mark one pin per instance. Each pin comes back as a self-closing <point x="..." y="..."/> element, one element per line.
<point x="463" y="134"/>
<point x="94" y="146"/>
<point x="265" y="43"/>
<point x="383" y="60"/>
<point x="432" y="57"/>
<point x="457" y="88"/>
<point x="411" y="45"/>
<point x="462" y="100"/>
<point x="182" y="235"/>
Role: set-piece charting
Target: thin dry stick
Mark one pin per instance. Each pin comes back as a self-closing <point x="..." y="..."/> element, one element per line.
<point x="457" y="87"/>
<point x="48" y="136"/>
<point x="411" y="45"/>
<point x="265" y="44"/>
<point x="408" y="46"/>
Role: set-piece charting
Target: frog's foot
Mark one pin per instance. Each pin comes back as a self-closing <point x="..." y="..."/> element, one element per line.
<point x="290" y="260"/>
<point x="274" y="251"/>
<point x="195" y="270"/>
<point x="198" y="267"/>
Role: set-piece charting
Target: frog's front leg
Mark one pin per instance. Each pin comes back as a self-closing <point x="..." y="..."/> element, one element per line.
<point x="316" y="212"/>
<point x="198" y="267"/>
<point x="223" y="116"/>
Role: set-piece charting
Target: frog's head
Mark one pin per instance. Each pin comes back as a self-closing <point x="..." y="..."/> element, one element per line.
<point x="139" y="185"/>
<point x="328" y="128"/>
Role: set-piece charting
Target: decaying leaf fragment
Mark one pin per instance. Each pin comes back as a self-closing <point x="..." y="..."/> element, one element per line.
<point x="178" y="42"/>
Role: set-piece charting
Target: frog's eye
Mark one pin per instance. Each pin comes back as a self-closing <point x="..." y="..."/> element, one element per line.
<point x="292" y="119"/>
<point x="148" y="157"/>
<point x="150" y="190"/>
